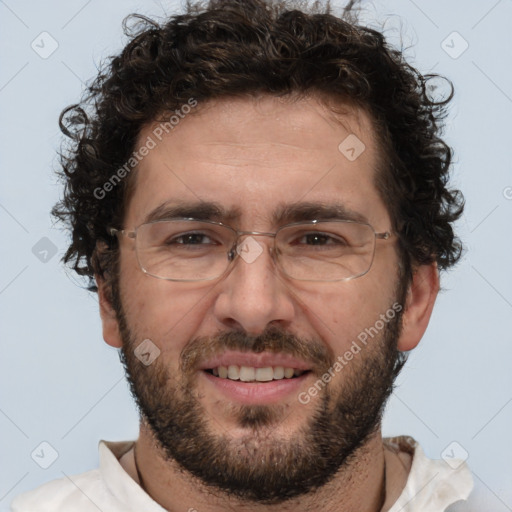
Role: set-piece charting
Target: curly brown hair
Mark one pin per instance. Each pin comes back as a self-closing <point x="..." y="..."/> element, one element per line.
<point x="249" y="47"/>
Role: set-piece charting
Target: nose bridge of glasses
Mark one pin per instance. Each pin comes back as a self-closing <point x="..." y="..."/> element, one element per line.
<point x="245" y="237"/>
<point x="247" y="247"/>
<point x="255" y="233"/>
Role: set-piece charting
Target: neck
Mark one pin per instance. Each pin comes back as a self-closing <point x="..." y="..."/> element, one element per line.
<point x="360" y="485"/>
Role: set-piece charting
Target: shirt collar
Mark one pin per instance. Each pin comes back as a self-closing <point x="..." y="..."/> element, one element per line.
<point x="432" y="485"/>
<point x="120" y="483"/>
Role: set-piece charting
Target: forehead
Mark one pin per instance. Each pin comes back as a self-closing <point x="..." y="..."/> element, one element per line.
<point x="255" y="158"/>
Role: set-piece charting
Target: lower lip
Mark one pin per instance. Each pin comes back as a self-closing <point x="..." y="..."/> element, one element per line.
<point x="257" y="392"/>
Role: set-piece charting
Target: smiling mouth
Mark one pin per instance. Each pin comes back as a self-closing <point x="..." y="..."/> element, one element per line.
<point x="253" y="374"/>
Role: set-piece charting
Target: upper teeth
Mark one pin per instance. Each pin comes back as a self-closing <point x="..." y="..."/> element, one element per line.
<point x="249" y="373"/>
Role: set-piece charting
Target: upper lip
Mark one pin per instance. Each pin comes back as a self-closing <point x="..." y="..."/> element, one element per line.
<point x="256" y="360"/>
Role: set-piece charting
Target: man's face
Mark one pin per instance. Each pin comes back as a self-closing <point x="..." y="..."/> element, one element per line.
<point x="257" y="160"/>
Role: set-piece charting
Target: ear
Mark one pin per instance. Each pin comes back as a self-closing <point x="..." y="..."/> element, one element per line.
<point x="419" y="304"/>
<point x="109" y="322"/>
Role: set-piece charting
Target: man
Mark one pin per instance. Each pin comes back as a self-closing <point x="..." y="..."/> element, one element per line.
<point x="260" y="196"/>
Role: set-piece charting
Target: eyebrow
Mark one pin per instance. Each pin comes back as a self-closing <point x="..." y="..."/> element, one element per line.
<point x="299" y="212"/>
<point x="283" y="214"/>
<point x="200" y="210"/>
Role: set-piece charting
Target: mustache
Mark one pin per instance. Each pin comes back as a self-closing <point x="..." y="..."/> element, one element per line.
<point x="273" y="339"/>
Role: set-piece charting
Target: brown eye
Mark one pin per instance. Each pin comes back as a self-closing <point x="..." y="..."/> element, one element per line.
<point x="191" y="239"/>
<point x="319" y="239"/>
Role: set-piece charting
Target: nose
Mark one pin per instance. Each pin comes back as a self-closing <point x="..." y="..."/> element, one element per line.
<point x="253" y="295"/>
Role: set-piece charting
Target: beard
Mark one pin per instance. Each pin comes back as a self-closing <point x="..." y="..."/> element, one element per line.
<point x="263" y="466"/>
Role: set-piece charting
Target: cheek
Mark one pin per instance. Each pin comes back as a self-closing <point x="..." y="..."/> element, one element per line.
<point x="166" y="312"/>
<point x="340" y="312"/>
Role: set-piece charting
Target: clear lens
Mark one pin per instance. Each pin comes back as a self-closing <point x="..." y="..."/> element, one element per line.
<point x="187" y="250"/>
<point x="326" y="251"/>
<point x="184" y="250"/>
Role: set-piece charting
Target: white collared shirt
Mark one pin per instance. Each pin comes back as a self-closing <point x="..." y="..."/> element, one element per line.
<point x="432" y="486"/>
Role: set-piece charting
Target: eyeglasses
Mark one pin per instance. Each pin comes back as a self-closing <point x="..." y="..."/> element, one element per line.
<point x="193" y="250"/>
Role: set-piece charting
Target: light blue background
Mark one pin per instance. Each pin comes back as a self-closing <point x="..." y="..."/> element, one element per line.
<point x="62" y="384"/>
